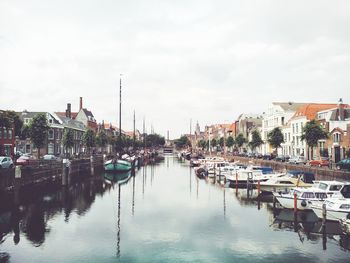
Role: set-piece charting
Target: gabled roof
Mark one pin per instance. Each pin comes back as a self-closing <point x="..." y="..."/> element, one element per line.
<point x="88" y="113"/>
<point x="310" y="110"/>
<point x="72" y="124"/>
<point x="337" y="129"/>
<point x="63" y="114"/>
<point x="335" y="114"/>
<point x="289" y="106"/>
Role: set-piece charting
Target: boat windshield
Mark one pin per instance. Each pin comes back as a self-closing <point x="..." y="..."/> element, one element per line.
<point x="323" y="186"/>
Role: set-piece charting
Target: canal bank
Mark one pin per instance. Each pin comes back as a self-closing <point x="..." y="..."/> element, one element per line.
<point x="162" y="213"/>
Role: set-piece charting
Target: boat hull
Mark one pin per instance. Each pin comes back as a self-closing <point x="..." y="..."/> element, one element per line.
<point x="118" y="166"/>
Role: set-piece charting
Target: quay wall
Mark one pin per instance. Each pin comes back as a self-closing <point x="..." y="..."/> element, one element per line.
<point x="321" y="173"/>
<point x="44" y="171"/>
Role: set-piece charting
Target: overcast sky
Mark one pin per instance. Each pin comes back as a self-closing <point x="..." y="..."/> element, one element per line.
<point x="200" y="59"/>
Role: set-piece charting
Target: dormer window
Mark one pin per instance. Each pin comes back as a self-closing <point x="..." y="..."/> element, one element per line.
<point x="336" y="137"/>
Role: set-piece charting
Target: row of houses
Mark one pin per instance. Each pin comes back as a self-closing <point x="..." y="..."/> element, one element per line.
<point x="79" y="122"/>
<point x="290" y="117"/>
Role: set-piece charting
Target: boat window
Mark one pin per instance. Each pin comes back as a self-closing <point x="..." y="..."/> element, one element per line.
<point x="308" y="195"/>
<point x="321" y="195"/>
<point x="336" y="187"/>
<point x="345" y="206"/>
<point x="322" y="186"/>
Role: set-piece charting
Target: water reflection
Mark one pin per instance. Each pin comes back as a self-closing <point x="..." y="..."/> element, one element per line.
<point x="221" y="224"/>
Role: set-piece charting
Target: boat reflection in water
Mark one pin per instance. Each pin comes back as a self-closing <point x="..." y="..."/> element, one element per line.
<point x="119" y="179"/>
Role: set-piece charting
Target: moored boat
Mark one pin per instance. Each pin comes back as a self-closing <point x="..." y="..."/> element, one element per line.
<point x="117" y="166"/>
<point x="304" y="197"/>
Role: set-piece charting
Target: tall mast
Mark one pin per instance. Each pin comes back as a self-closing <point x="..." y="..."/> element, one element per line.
<point x="134" y="136"/>
<point x="120" y="107"/>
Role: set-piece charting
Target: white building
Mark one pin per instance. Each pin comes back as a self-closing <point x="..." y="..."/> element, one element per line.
<point x="277" y="115"/>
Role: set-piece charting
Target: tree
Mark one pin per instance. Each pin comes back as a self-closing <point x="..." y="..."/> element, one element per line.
<point x="275" y="138"/>
<point x="68" y="140"/>
<point x="256" y="140"/>
<point x="89" y="139"/>
<point x="154" y="140"/>
<point x="101" y="139"/>
<point x="202" y="144"/>
<point x="240" y="140"/>
<point x="222" y="142"/>
<point x="182" y="142"/>
<point x="312" y="133"/>
<point x="230" y="141"/>
<point x="38" y="131"/>
<point x="25" y="132"/>
<point x="7" y="118"/>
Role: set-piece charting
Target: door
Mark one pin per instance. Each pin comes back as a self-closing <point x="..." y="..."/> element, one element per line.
<point x="336" y="154"/>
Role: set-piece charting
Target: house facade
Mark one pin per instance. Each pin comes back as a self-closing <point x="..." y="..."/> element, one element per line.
<point x="7" y="140"/>
<point x="277" y="115"/>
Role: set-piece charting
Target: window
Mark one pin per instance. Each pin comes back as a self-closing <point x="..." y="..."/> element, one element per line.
<point x="296" y="128"/>
<point x="335" y="187"/>
<point x="293" y="128"/>
<point x="51" y="134"/>
<point x="345" y="206"/>
<point x="282" y="120"/>
<point x="336" y="137"/>
<point x="308" y="195"/>
<point x="50" y="148"/>
<point x="10" y="134"/>
<point x="0" y="133"/>
<point x="5" y="133"/>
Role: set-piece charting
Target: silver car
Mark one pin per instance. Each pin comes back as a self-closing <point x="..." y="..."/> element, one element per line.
<point x="6" y="162"/>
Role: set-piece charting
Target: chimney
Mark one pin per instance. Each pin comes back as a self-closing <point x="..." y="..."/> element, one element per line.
<point x="68" y="111"/>
<point x="341" y="110"/>
<point x="81" y="103"/>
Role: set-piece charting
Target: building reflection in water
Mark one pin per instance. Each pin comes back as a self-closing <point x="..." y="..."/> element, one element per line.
<point x="39" y="204"/>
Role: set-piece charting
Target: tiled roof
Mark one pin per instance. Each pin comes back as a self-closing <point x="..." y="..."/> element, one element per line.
<point x="310" y="110"/>
<point x="289" y="106"/>
<point x="73" y="124"/>
<point x="63" y="114"/>
<point x="88" y="113"/>
<point x="232" y="127"/>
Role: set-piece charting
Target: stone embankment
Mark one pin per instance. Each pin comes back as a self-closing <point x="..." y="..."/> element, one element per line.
<point x="321" y="173"/>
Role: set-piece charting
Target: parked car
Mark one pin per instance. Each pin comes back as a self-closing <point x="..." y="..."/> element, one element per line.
<point x="282" y="158"/>
<point x="323" y="161"/>
<point x="51" y="157"/>
<point x="26" y="159"/>
<point x="268" y="156"/>
<point x="297" y="160"/>
<point x="6" y="162"/>
<point x="343" y="164"/>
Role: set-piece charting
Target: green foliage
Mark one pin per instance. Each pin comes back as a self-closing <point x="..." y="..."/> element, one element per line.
<point x="89" y="139"/>
<point x="38" y="129"/>
<point x="275" y="138"/>
<point x="202" y="144"/>
<point x="101" y="139"/>
<point x="68" y="139"/>
<point x="7" y="118"/>
<point x="312" y="132"/>
<point x="222" y="141"/>
<point x="25" y="132"/>
<point x="230" y="141"/>
<point x="256" y="140"/>
<point x="183" y="141"/>
<point x="240" y="140"/>
<point x="154" y="140"/>
<point x="213" y="142"/>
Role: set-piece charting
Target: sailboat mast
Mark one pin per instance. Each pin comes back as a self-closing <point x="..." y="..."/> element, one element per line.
<point x="120" y="107"/>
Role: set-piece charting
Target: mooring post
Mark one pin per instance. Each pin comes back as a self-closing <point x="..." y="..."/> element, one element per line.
<point x="92" y="164"/>
<point x="258" y="187"/>
<point x="295" y="203"/>
<point x="17" y="183"/>
<point x="64" y="171"/>
<point x="324" y="215"/>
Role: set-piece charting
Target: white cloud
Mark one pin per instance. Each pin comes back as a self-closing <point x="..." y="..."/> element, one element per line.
<point x="205" y="60"/>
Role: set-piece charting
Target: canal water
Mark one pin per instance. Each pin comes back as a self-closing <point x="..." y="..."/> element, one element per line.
<point x="162" y="213"/>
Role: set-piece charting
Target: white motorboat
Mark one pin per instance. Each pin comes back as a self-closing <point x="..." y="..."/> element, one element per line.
<point x="282" y="184"/>
<point x="304" y="197"/>
<point x="251" y="176"/>
<point x="336" y="208"/>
